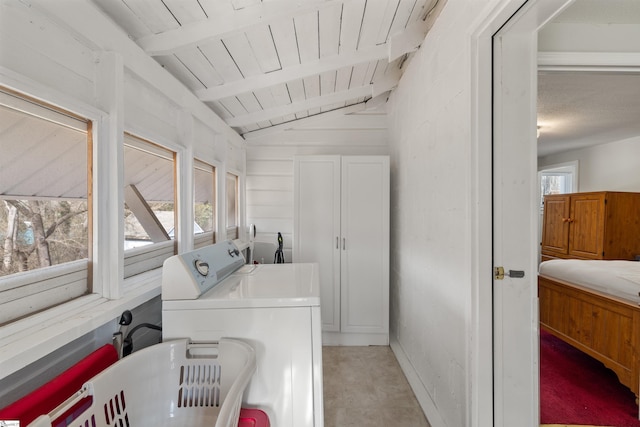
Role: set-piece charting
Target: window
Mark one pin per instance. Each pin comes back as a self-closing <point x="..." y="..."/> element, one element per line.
<point x="204" y="208"/>
<point x="44" y="216"/>
<point x="232" y="206"/>
<point x="149" y="212"/>
<point x="558" y="179"/>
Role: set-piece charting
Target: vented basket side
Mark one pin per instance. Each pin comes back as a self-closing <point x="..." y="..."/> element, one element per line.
<point x="174" y="383"/>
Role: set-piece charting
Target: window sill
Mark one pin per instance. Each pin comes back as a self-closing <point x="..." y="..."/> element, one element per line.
<point x="241" y="244"/>
<point x="27" y="340"/>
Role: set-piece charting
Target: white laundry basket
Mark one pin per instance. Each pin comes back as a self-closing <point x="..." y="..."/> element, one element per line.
<point x="171" y="384"/>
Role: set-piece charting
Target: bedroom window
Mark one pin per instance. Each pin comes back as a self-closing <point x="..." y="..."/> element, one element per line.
<point x="204" y="207"/>
<point x="149" y="211"/>
<point x="44" y="216"/>
<point x="558" y="179"/>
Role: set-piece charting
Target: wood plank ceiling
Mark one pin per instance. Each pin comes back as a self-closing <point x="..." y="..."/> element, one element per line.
<point x="259" y="64"/>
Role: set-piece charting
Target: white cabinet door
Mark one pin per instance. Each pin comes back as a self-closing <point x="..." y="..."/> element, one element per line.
<point x="317" y="228"/>
<point x="365" y="244"/>
<point x="341" y="221"/>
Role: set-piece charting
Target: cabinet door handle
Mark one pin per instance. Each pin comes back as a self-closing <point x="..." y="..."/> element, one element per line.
<point x="337" y="242"/>
<point x="344" y="244"/>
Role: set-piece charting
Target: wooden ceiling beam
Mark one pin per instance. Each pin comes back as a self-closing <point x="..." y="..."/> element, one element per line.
<point x="317" y="102"/>
<point x="410" y="39"/>
<point x="296" y="107"/>
<point x="228" y="23"/>
<point x="288" y="74"/>
<point x="256" y="134"/>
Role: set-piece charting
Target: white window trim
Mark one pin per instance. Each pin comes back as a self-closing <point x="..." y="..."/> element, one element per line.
<point x="27" y="292"/>
<point x="85" y="116"/>
<point x="146" y="258"/>
<point x="203" y="239"/>
<point x="184" y="199"/>
<point x="27" y="340"/>
<point x="208" y="237"/>
<point x="239" y="202"/>
<point x="571" y="167"/>
<point x="37" y="110"/>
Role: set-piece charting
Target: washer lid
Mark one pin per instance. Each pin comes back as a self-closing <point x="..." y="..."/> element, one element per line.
<point x="191" y="274"/>
<point x="263" y="285"/>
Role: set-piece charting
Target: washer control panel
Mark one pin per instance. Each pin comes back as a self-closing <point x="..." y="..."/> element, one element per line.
<point x="189" y="275"/>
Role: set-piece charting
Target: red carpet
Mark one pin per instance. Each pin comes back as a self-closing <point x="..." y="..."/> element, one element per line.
<point x="577" y="389"/>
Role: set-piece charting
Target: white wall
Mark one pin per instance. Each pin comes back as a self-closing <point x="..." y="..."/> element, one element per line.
<point x="20" y="383"/>
<point x="27" y="379"/>
<point x="613" y="167"/>
<point x="431" y="197"/>
<point x="270" y="164"/>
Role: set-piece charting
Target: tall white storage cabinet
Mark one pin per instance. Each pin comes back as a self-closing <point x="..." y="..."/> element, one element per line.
<point x="341" y="221"/>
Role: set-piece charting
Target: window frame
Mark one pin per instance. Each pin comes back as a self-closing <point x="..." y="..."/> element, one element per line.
<point x="29" y="339"/>
<point x="565" y="169"/>
<point x="145" y="258"/>
<point x="232" y="232"/>
<point x="33" y="291"/>
<point x="207" y="237"/>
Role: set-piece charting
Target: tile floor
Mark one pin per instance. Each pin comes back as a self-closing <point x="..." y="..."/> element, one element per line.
<point x="365" y="386"/>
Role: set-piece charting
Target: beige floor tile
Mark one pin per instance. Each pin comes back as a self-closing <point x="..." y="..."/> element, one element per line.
<point x="405" y="417"/>
<point x="365" y="386"/>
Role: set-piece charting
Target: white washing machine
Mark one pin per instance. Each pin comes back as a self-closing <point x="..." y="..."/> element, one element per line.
<point x="210" y="293"/>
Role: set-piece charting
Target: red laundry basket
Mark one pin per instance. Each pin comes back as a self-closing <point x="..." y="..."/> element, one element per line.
<point x="253" y="418"/>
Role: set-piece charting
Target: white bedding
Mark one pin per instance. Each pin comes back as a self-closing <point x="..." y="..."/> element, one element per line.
<point x="618" y="278"/>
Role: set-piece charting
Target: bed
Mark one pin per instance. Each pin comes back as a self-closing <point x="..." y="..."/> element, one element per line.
<point x="595" y="306"/>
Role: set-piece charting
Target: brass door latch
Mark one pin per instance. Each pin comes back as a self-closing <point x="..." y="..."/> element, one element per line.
<point x="498" y="273"/>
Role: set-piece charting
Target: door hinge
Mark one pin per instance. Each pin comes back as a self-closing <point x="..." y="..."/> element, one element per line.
<point x="498" y="273"/>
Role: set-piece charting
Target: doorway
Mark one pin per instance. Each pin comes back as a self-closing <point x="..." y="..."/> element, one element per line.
<point x="514" y="213"/>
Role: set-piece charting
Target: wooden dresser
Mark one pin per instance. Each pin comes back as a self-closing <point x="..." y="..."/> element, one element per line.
<point x="597" y="225"/>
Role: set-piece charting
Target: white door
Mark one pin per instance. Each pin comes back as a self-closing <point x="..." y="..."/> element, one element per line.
<point x="317" y="228"/>
<point x="515" y="215"/>
<point x="365" y="244"/>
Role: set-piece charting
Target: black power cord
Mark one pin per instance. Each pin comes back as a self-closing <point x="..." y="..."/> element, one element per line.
<point x="127" y="347"/>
